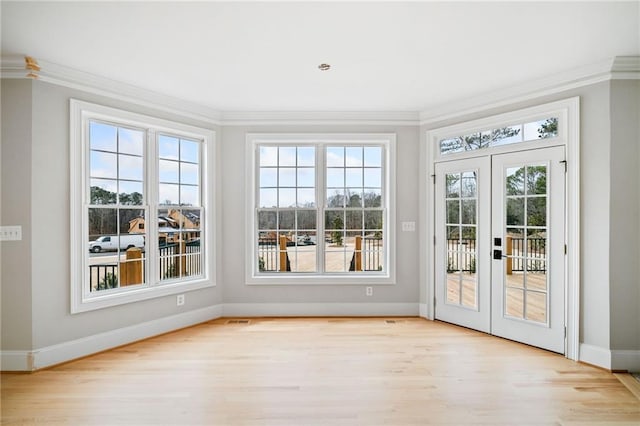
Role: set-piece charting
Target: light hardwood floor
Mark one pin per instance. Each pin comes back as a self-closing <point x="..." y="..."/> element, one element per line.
<point x="320" y="371"/>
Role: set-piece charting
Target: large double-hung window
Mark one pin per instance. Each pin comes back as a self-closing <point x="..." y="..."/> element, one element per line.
<point x="321" y="208"/>
<point x="140" y="211"/>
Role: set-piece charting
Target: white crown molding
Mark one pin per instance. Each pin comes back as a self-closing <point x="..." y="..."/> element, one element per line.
<point x="292" y="118"/>
<point x="618" y="68"/>
<point x="621" y="67"/>
<point x="13" y="67"/>
<point x="626" y="68"/>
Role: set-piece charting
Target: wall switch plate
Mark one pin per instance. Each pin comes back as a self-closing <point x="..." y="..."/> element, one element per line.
<point x="408" y="226"/>
<point x="11" y="233"/>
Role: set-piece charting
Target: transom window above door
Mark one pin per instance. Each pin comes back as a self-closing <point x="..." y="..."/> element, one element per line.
<point x="532" y="128"/>
<point x="493" y="137"/>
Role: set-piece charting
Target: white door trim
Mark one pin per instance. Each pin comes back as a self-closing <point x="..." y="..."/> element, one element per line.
<point x="568" y="112"/>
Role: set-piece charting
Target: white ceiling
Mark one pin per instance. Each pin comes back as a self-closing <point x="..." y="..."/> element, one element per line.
<point x="263" y="56"/>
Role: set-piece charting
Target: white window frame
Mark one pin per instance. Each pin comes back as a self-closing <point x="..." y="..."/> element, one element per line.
<point x="81" y="113"/>
<point x="320" y="141"/>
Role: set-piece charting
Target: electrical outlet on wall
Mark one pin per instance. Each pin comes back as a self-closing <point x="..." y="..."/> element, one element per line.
<point x="368" y="291"/>
<point x="180" y="300"/>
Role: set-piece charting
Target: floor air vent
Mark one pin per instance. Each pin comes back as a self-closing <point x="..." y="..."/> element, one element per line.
<point x="241" y="321"/>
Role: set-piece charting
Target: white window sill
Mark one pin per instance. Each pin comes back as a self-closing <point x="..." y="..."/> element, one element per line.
<point x="100" y="301"/>
<point x="328" y="279"/>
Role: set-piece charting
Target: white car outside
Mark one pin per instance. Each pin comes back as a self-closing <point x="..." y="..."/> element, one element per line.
<point x="112" y="242"/>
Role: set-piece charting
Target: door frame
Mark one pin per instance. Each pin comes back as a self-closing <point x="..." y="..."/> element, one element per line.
<point x="568" y="112"/>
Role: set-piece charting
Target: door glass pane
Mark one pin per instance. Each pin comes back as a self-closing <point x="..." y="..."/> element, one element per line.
<point x="453" y="211"/>
<point x="453" y="277"/>
<point x="515" y="181"/>
<point x="536" y="180"/>
<point x="536" y="306"/>
<point x="453" y="185"/>
<point x="468" y="235"/>
<point x="453" y="235"/>
<point x="469" y="290"/>
<point x="453" y="289"/>
<point x="515" y="211"/>
<point x="536" y="264"/>
<point x="461" y="252"/>
<point x="526" y="233"/>
<point x="469" y="211"/>
<point x="514" y="302"/>
<point x="469" y="184"/>
<point x="537" y="211"/>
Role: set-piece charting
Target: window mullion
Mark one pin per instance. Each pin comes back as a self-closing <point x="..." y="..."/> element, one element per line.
<point x="151" y="207"/>
<point x="320" y="200"/>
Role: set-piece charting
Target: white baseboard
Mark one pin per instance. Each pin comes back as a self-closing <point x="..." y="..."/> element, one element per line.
<point x="625" y="360"/>
<point x="611" y="359"/>
<point x="424" y="311"/>
<point x="595" y="355"/>
<point x="16" y="361"/>
<point x="319" y="309"/>
<point x="67" y="351"/>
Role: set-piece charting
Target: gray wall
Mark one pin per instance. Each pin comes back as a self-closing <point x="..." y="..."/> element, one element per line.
<point x="233" y="216"/>
<point x="625" y="215"/>
<point x="35" y="194"/>
<point x="15" y="265"/>
<point x="36" y="284"/>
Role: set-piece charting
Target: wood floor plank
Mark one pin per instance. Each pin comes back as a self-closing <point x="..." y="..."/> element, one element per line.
<point x="320" y="371"/>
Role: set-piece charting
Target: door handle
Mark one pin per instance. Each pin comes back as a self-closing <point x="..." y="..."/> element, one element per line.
<point x="497" y="255"/>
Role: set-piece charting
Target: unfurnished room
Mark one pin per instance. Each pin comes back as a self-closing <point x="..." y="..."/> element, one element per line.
<point x="320" y="213"/>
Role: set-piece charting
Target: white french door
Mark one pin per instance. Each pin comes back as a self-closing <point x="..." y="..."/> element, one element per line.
<point x="500" y="242"/>
<point x="463" y="270"/>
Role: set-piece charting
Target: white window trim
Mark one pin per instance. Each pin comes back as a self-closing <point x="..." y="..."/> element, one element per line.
<point x="80" y="113"/>
<point x="388" y="140"/>
<point x="568" y="113"/>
